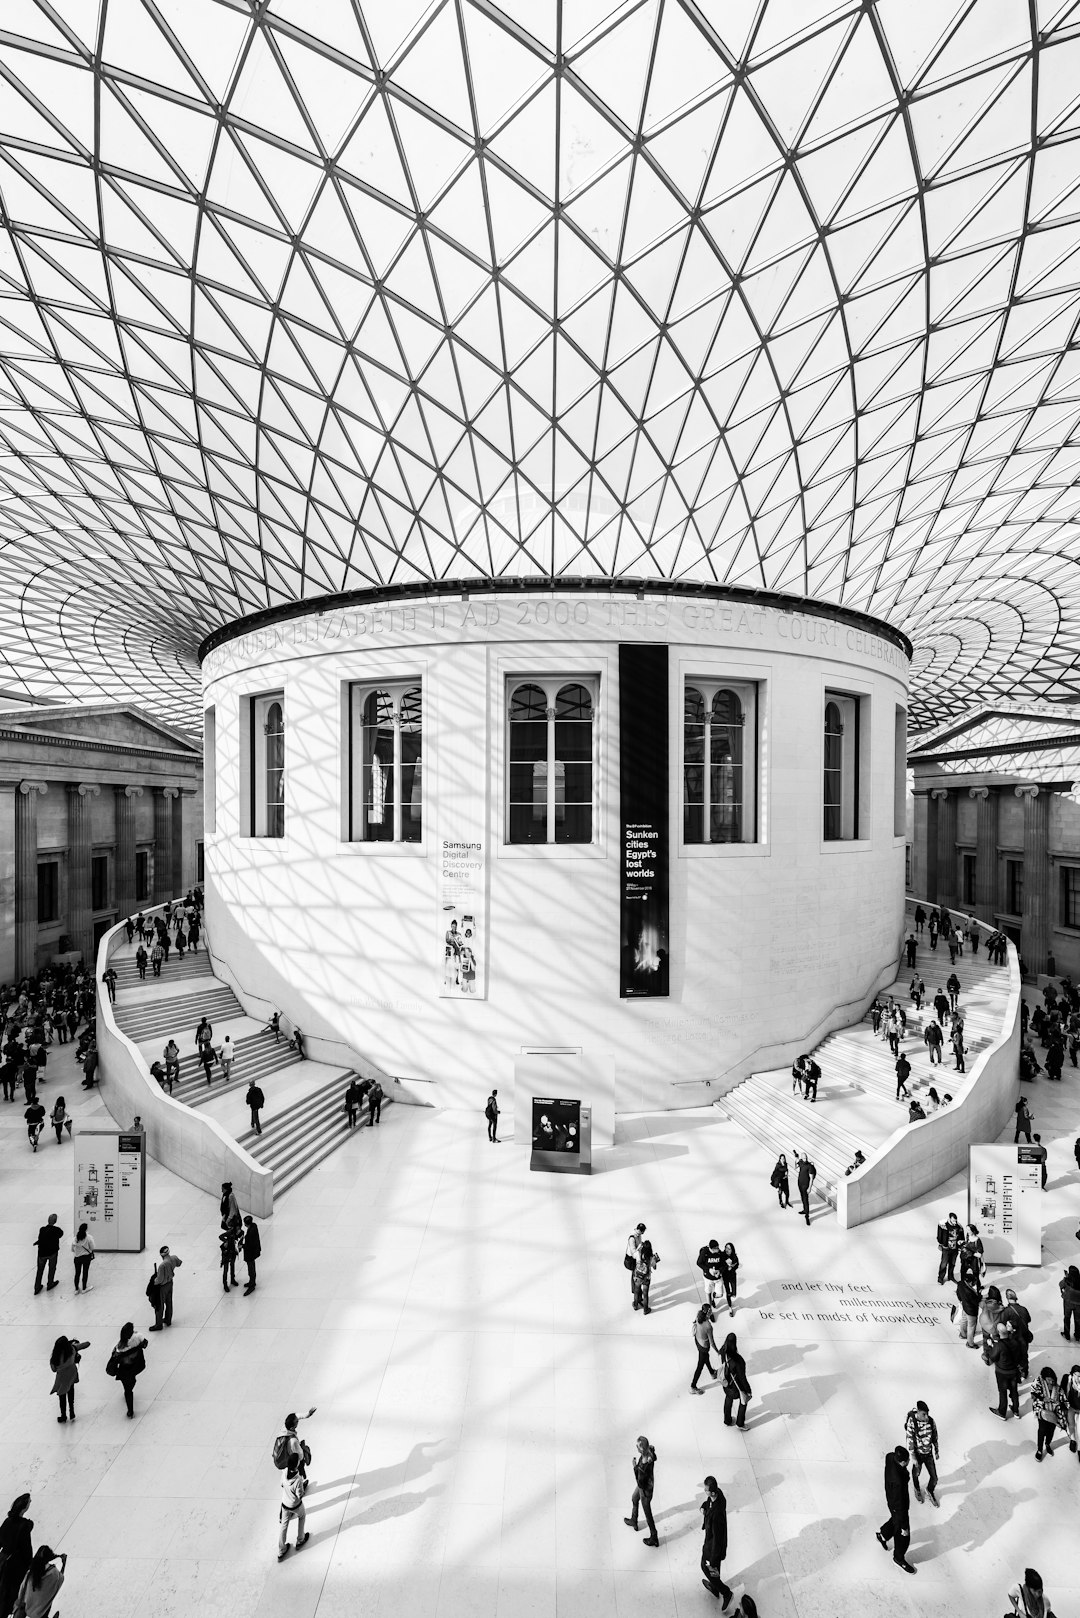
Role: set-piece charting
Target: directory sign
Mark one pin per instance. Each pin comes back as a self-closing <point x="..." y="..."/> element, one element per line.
<point x="110" y="1188"/>
<point x="1005" y="1203"/>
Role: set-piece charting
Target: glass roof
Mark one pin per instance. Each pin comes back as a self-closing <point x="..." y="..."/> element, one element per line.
<point x="311" y="295"/>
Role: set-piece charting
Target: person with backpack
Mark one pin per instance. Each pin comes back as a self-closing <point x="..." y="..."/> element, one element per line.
<point x="644" y="1476"/>
<point x="630" y="1257"/>
<point x="374" y="1104"/>
<point x="1018" y="1320"/>
<point x="807" y="1176"/>
<point x="289" y="1445"/>
<point x="1029" y="1599"/>
<point x="64" y="1364"/>
<point x="293" y="1485"/>
<point x="491" y="1113"/>
<point x="127" y="1362"/>
<point x="1004" y="1354"/>
<point x="780" y="1183"/>
<point x="647" y="1261"/>
<point x="922" y="1438"/>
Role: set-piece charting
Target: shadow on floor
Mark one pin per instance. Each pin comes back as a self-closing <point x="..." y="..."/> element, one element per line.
<point x="633" y="1154"/>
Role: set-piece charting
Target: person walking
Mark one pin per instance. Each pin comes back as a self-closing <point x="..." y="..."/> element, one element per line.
<point x="1069" y="1287"/>
<point x="40" y="1585"/>
<point x="715" y="1545"/>
<point x="252" y="1250"/>
<point x="127" y="1362"/>
<point x="1029" y="1599"/>
<point x="48" y="1249"/>
<point x="933" y="1039"/>
<point x="922" y="1437"/>
<point x="780" y="1182"/>
<point x="644" y="1464"/>
<point x="108" y="977"/>
<point x="1004" y="1354"/>
<point x="255" y="1101"/>
<point x="967" y="1296"/>
<point x="1048" y="1408"/>
<point x="1024" y="1120"/>
<point x="353" y="1097"/>
<point x="920" y="919"/>
<point x="16" y="1551"/>
<point x="903" y="1073"/>
<point x="734" y="1380"/>
<point x="82" y="1250"/>
<point x="702" y="1333"/>
<point x="807" y="1176"/>
<point x="950" y="1239"/>
<point x="374" y="1104"/>
<point x="64" y="1363"/>
<point x="171" y="1057"/>
<point x="952" y="987"/>
<point x="293" y="1486"/>
<point x="1018" y="1320"/>
<point x="491" y="1113"/>
<point x="60" y="1120"/>
<point x="941" y="1006"/>
<point x="226" y="1055"/>
<point x="729" y="1274"/>
<point x="206" y="1058"/>
<point x="917" y="991"/>
<point x="157" y="956"/>
<point x="1071" y="1387"/>
<point x="141" y="959"/>
<point x="647" y="1261"/>
<point x="164" y="1271"/>
<point x="910" y="947"/>
<point x="897" y="1526"/>
<point x="35" y="1122"/>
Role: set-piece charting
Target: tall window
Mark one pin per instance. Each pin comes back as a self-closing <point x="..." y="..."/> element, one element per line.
<point x="48" y="891"/>
<point x="551" y="773"/>
<point x="267" y="788"/>
<point x="210" y="769"/>
<point x="1070" y="895"/>
<point x="843" y="765"/>
<point x="200" y="862"/>
<point x="142" y="874"/>
<point x="899" y="823"/>
<point x="386" y="745"/>
<point x="719" y="742"/>
<point x="967" y="864"/>
<point x="1014" y="887"/>
<point x="99" y="882"/>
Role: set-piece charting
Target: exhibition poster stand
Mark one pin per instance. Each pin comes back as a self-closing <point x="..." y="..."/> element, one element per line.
<point x="110" y="1188"/>
<point x="561" y="1136"/>
<point x="1005" y="1202"/>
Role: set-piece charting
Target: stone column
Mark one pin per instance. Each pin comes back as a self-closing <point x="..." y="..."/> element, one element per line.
<point x="1035" y="927"/>
<point x="177" y="879"/>
<point x="928" y="887"/>
<point x="125" y="848"/>
<point x="26" y="851"/>
<point x="80" y="922"/>
<point x="163" y="843"/>
<point x="986" y="852"/>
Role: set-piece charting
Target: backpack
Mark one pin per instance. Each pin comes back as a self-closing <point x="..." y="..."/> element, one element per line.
<point x="489" y="1112"/>
<point x="280" y="1451"/>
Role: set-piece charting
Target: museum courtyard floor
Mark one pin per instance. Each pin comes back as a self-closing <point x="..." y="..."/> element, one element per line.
<point x="465" y="1329"/>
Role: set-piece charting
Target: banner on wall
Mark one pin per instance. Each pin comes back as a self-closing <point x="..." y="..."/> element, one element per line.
<point x="1005" y="1202"/>
<point x="461" y="916"/>
<point x="110" y="1188"/>
<point x="643" y="814"/>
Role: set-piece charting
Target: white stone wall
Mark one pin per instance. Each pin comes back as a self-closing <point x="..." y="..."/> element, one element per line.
<point x="766" y="939"/>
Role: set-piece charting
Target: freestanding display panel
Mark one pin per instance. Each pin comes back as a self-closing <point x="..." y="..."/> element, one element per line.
<point x="561" y="1136"/>
<point x="1005" y="1203"/>
<point x="110" y="1188"/>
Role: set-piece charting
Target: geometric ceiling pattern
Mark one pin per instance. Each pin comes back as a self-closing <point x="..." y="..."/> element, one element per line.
<point x="312" y="295"/>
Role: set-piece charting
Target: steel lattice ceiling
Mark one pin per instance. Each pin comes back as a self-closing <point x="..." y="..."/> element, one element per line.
<point x="308" y="296"/>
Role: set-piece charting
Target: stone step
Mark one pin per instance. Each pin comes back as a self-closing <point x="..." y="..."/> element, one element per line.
<point x="298" y="1139"/>
<point x="148" y="1020"/>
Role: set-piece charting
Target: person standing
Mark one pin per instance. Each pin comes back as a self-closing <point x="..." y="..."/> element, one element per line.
<point x="644" y="1477"/>
<point x="957" y="1040"/>
<point x="922" y="1437"/>
<point x="1038" y="1151"/>
<point x="82" y="1250"/>
<point x="920" y="919"/>
<point x="48" y="1248"/>
<point x="255" y="1101"/>
<point x="715" y="1545"/>
<point x="374" y="1104"/>
<point x="952" y="986"/>
<point x="164" y="1271"/>
<point x="1029" y="1599"/>
<point x="128" y="1360"/>
<point x="293" y="1485"/>
<point x="950" y="1239"/>
<point x="807" y="1176"/>
<point x="1024" y="1120"/>
<point x="353" y="1098"/>
<point x="780" y="1182"/>
<point x="1048" y="1407"/>
<point x="40" y="1585"/>
<point x="1004" y="1354"/>
<point x="1069" y="1287"/>
<point x="1018" y="1320"/>
<point x="252" y="1251"/>
<point x="1071" y="1388"/>
<point x="704" y="1340"/>
<point x="16" y="1551"/>
<point x="141" y="959"/>
<point x="229" y="1208"/>
<point x="289" y="1444"/>
<point x="633" y="1248"/>
<point x="735" y="1382"/>
<point x="897" y="1526"/>
<point x="227" y="1260"/>
<point x="491" y="1113"/>
<point x="647" y="1261"/>
<point x="708" y="1262"/>
<point x="933" y="1039"/>
<point x="729" y="1274"/>
<point x="910" y="947"/>
<point x="64" y="1363"/>
<point x="967" y="1296"/>
<point x="108" y="977"/>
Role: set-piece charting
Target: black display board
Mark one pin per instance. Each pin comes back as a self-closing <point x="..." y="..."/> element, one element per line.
<point x="643" y="816"/>
<point x="556" y="1124"/>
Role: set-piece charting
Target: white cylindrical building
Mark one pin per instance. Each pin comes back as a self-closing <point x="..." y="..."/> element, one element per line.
<point x="661" y="828"/>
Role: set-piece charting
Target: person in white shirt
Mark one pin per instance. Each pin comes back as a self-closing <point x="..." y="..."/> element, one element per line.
<point x="82" y="1249"/>
<point x="1029" y="1599"/>
<point x="633" y="1248"/>
<point x="292" y="1509"/>
<point x="226" y="1056"/>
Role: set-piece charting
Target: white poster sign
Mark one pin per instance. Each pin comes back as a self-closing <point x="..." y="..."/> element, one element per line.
<point x="1004" y="1203"/>
<point x="110" y="1188"/>
<point x="461" y="916"/>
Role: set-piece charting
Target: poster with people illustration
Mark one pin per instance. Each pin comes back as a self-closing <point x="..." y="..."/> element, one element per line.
<point x="461" y="913"/>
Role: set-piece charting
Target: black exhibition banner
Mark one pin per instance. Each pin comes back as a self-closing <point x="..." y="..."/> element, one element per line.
<point x="643" y="818"/>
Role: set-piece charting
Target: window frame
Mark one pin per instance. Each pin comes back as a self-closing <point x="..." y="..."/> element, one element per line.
<point x="750" y="695"/>
<point x="144" y="894"/>
<point x="53" y="920"/>
<point x="355" y="694"/>
<point x="968" y="890"/>
<point x="101" y="858"/>
<point x="258" y="707"/>
<point x="856" y="715"/>
<point x="1013" y="885"/>
<point x="1064" y="924"/>
<point x="552" y="683"/>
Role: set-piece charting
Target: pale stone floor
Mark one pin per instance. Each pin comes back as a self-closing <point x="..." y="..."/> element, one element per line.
<point x="465" y="1329"/>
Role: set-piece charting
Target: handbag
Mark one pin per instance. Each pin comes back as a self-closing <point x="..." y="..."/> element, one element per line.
<point x="112" y="1364"/>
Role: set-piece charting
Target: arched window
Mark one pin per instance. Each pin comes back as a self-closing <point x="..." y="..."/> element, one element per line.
<point x="275" y="770"/>
<point x="718" y="798"/>
<point x="833" y="789"/>
<point x="550" y="752"/>
<point x="387" y="799"/>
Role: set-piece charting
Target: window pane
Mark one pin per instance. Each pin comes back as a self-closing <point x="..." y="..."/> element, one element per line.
<point x="275" y="771"/>
<point x="528" y="765"/>
<point x="833" y="791"/>
<point x="411" y="777"/>
<point x="575" y="824"/>
<point x="379" y="767"/>
<point x="693" y="766"/>
<point x="528" y="702"/>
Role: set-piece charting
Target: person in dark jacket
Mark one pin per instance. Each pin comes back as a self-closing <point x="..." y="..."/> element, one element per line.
<point x="374" y="1104"/>
<point x="252" y="1251"/>
<point x="903" y="1073"/>
<point x="16" y="1551"/>
<point x="1069" y="1287"/>
<point x="782" y="1186"/>
<point x="1023" y="1120"/>
<point x="897" y="1526"/>
<point x="968" y="1296"/>
<point x="922" y="1436"/>
<point x="255" y="1101"/>
<point x="807" y="1176"/>
<point x="644" y="1470"/>
<point x="48" y="1247"/>
<point x="647" y="1261"/>
<point x="950" y="1239"/>
<point x="353" y="1098"/>
<point x="1018" y="1319"/>
<point x="1006" y="1354"/>
<point x="710" y="1264"/>
<point x="715" y="1546"/>
<point x="227" y="1244"/>
<point x="736" y="1384"/>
